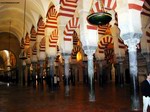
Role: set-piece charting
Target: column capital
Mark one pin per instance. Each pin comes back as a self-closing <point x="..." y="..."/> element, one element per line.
<point x="131" y="43"/>
<point x="89" y="50"/>
<point x="66" y="57"/>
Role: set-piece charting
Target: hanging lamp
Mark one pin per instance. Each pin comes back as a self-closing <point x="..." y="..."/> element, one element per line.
<point x="99" y="18"/>
<point x="23" y="54"/>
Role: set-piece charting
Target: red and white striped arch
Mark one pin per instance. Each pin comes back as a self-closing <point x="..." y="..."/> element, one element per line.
<point x="32" y="40"/>
<point x="75" y="50"/>
<point x="102" y="29"/>
<point x="34" y="49"/>
<point x="40" y="35"/>
<point x="70" y="27"/>
<point x="33" y="34"/>
<point x="51" y="21"/>
<point x="53" y="39"/>
<point x="135" y="5"/>
<point x="28" y="52"/>
<point x="75" y="38"/>
<point x="146" y="8"/>
<point x="67" y="7"/>
<point x="41" y="27"/>
<point x="76" y="47"/>
<point x="34" y="53"/>
<point x="42" y="45"/>
<point x="22" y="43"/>
<point x="104" y="42"/>
<point x="108" y="4"/>
<point x="27" y="41"/>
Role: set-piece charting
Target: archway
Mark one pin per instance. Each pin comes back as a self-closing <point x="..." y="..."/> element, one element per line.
<point x="11" y="43"/>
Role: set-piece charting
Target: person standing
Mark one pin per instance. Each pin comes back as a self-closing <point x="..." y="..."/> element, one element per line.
<point x="145" y="89"/>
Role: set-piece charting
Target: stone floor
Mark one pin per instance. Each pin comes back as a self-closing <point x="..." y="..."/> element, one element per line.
<point x="40" y="99"/>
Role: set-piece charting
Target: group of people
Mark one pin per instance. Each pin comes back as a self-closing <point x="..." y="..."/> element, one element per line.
<point x="145" y="89"/>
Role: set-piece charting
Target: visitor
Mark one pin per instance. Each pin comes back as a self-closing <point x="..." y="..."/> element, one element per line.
<point x="145" y="89"/>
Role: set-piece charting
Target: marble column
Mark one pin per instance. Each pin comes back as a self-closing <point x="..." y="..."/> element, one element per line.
<point x="23" y="71"/>
<point x="51" y="72"/>
<point x="131" y="41"/>
<point x="89" y="51"/>
<point x="120" y="71"/>
<point x="34" y="64"/>
<point x="66" y="74"/>
<point x="28" y="75"/>
<point x="40" y="78"/>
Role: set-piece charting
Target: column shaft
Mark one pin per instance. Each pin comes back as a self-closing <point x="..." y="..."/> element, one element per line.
<point x="135" y="103"/>
<point x="66" y="76"/>
<point x="91" y="78"/>
<point x="51" y="72"/>
<point x="28" y="75"/>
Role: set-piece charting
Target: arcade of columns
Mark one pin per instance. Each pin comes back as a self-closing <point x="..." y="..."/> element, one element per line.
<point x="65" y="34"/>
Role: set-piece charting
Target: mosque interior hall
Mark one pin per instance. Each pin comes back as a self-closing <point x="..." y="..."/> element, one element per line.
<point x="73" y="55"/>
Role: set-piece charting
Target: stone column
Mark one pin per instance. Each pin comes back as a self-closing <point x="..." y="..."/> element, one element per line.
<point x="51" y="72"/>
<point x="89" y="51"/>
<point x="34" y="72"/>
<point x="28" y="75"/>
<point x="40" y="78"/>
<point x="23" y="71"/>
<point x="66" y="74"/>
<point x="120" y="69"/>
<point x="131" y="41"/>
